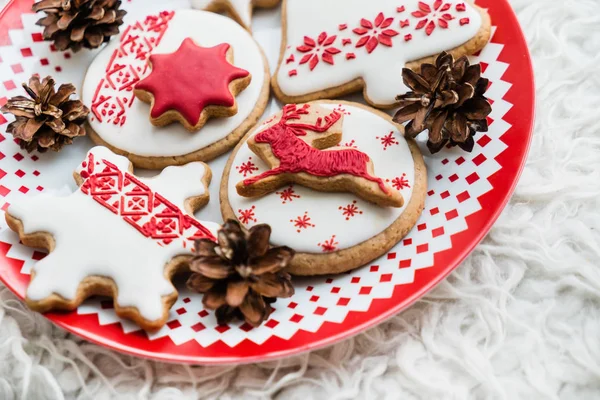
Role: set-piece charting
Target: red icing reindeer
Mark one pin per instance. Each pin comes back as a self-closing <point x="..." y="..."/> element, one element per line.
<point x="295" y="152"/>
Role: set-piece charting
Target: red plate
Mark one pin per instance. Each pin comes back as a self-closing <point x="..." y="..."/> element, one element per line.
<point x="467" y="193"/>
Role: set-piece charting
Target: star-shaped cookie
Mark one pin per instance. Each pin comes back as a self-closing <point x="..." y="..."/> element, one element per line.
<point x="192" y="84"/>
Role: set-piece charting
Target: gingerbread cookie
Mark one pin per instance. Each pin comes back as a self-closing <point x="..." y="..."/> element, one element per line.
<point x="118" y="236"/>
<point x="122" y="122"/>
<point x="335" y="47"/>
<point x="332" y="230"/>
<point x="303" y="146"/>
<point x="213" y="96"/>
<point x="239" y="10"/>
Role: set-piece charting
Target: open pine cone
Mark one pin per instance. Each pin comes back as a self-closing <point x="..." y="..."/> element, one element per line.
<point x="48" y="119"/>
<point x="447" y="99"/>
<point x="240" y="276"/>
<point x="73" y="24"/>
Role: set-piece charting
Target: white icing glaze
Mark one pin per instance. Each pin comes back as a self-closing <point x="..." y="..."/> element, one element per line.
<point x="382" y="68"/>
<point x="366" y="130"/>
<point x="91" y="240"/>
<point x="243" y="8"/>
<point x="138" y="135"/>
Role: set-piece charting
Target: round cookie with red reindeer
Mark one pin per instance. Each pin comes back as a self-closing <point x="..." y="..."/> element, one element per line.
<point x="165" y="94"/>
<point x="337" y="181"/>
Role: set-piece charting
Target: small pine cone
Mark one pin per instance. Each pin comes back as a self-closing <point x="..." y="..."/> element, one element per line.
<point x="73" y="24"/>
<point x="240" y="275"/>
<point x="48" y="119"/>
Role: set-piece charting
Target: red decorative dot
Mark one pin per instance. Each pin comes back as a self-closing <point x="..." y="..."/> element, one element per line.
<point x="450" y="215"/>
<point x="375" y="268"/>
<point x="385" y="278"/>
<point x="343" y="27"/>
<point x="187" y="300"/>
<point x="38" y="255"/>
<point x="400" y="9"/>
<point x="343" y="301"/>
<point x="4" y="190"/>
<point x="18" y="156"/>
<point x="174" y="324"/>
<point x="271" y="323"/>
<point x="296" y="318"/>
<point x="431" y="193"/>
<point x="26" y="52"/>
<point x="35" y="158"/>
<point x="36" y="172"/>
<point x="422" y="227"/>
<point x="350" y="56"/>
<point x="445" y="161"/>
<point x="222" y="328"/>
<point x="39" y="188"/>
<point x="314" y="298"/>
<point x="437" y="232"/>
<point x="391" y="256"/>
<point x="464" y="196"/>
<point x="2" y="173"/>
<point x="480" y="159"/>
<point x="464" y="21"/>
<point x="438" y="177"/>
<point x="9" y="85"/>
<point x="445" y="194"/>
<point x="329" y="280"/>
<point x="355" y="279"/>
<point x="23" y="189"/>
<point x="246" y="327"/>
<point x="181" y="311"/>
<point x="407" y="37"/>
<point x="422" y="248"/>
<point x="198" y="327"/>
<point x="434" y="211"/>
<point x="460" y="160"/>
<point x="17" y="68"/>
<point x="58" y="69"/>
<point x="453" y="178"/>
<point x="405" y="263"/>
<point x="335" y="290"/>
<point x="407" y="242"/>
<point x="292" y="305"/>
<point x="20" y="173"/>
<point x="365" y="290"/>
<point x="309" y="289"/>
<point x="484" y="140"/>
<point x="37" y="37"/>
<point x="3" y="101"/>
<point x="2" y="120"/>
<point x="472" y="178"/>
<point x="203" y="313"/>
<point x="67" y="55"/>
<point x="320" y="311"/>
<point x="293" y="72"/>
<point x="44" y="61"/>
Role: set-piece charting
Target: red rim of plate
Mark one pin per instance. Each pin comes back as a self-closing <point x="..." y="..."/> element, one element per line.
<point x="518" y="138"/>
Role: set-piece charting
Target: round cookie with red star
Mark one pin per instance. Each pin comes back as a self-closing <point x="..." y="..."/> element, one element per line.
<point x="164" y="94"/>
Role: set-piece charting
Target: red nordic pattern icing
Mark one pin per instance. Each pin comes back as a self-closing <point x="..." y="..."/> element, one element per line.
<point x="247" y="168"/>
<point x="128" y="64"/>
<point x="329" y="245"/>
<point x="388" y="140"/>
<point x="376" y="32"/>
<point x="302" y="222"/>
<point x="400" y="182"/>
<point x="322" y="47"/>
<point x="382" y="28"/>
<point x="150" y="213"/>
<point x="351" y="210"/>
<point x="191" y="79"/>
<point x="247" y="216"/>
<point x="297" y="156"/>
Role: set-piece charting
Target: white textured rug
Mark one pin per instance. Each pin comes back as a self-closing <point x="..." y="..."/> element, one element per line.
<point x="519" y="319"/>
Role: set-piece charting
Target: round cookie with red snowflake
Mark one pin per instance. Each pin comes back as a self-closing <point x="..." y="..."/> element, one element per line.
<point x="336" y="47"/>
<point x="177" y="86"/>
<point x="336" y="181"/>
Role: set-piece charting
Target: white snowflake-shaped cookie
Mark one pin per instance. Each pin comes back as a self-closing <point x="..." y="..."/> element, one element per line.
<point x="118" y="235"/>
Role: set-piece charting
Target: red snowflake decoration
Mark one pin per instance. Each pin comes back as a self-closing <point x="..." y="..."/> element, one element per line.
<point x="375" y="33"/>
<point x="247" y="216"/>
<point x="350" y="144"/>
<point x="432" y="14"/>
<point x="400" y="182"/>
<point x="302" y="222"/>
<point x="329" y="245"/>
<point x="247" y="168"/>
<point x="288" y="195"/>
<point x="342" y="110"/>
<point x="351" y="210"/>
<point x="321" y="47"/>
<point x="388" y="140"/>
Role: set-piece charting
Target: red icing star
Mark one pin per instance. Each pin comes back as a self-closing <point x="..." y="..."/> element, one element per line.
<point x="191" y="79"/>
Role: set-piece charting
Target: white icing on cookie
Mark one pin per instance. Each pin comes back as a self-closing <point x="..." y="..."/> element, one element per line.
<point x="125" y="119"/>
<point x="368" y="40"/>
<point x="243" y="8"/>
<point x="314" y="222"/>
<point x="92" y="240"/>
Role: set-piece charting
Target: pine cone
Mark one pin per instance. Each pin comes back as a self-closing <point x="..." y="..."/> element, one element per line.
<point x="47" y="120"/>
<point x="448" y="100"/>
<point x="240" y="276"/>
<point x="73" y="24"/>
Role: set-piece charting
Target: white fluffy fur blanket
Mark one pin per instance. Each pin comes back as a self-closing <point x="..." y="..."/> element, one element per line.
<point x="519" y="319"/>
